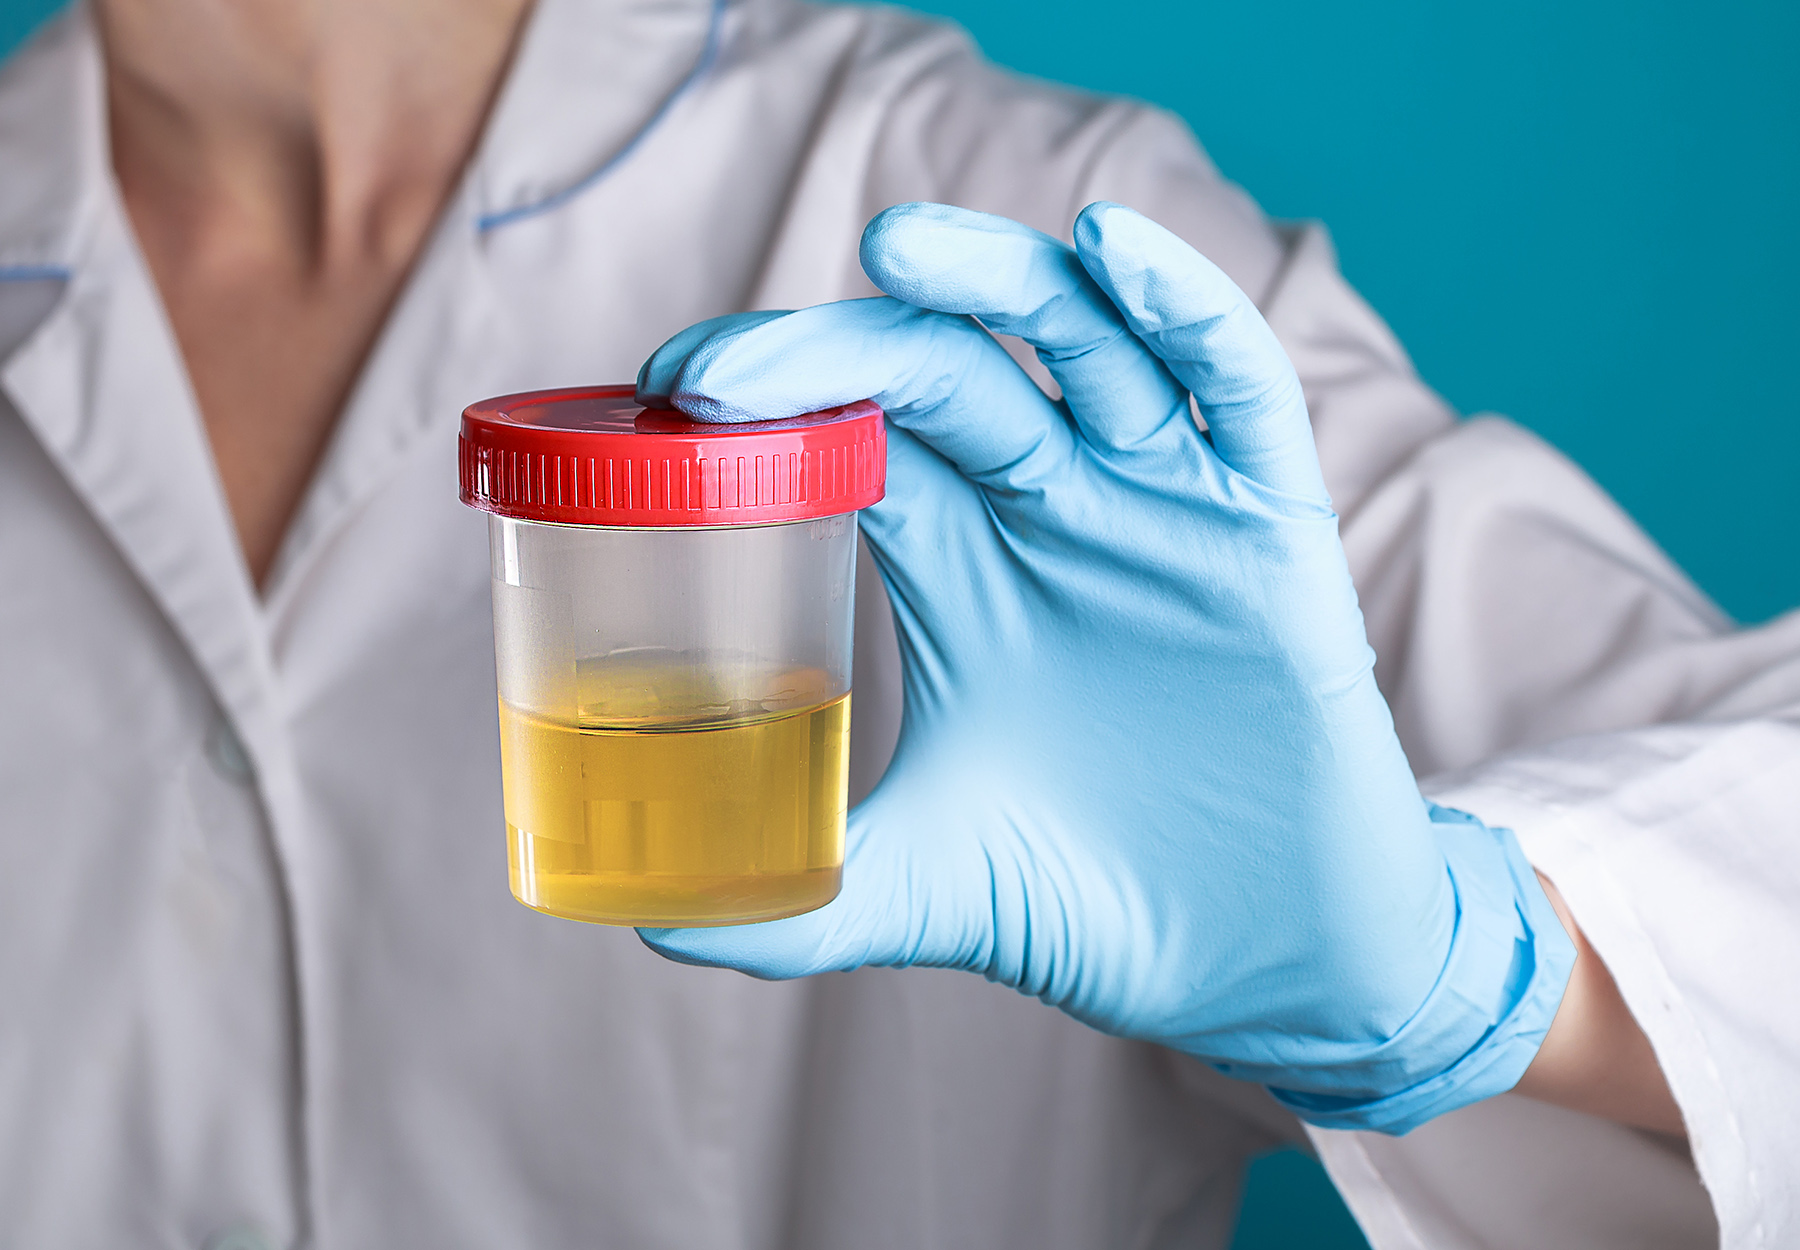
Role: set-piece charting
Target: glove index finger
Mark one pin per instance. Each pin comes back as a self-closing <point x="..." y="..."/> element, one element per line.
<point x="942" y="377"/>
<point x="1212" y="338"/>
<point x="656" y="379"/>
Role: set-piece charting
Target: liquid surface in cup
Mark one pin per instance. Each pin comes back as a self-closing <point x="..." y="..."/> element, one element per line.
<point x="662" y="805"/>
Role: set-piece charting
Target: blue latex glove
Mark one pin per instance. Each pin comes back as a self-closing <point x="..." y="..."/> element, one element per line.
<point x="1144" y="772"/>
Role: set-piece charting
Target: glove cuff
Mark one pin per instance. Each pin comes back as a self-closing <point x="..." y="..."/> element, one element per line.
<point x="1509" y="963"/>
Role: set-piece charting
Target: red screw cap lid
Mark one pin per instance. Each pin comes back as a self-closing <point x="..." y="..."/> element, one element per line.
<point x="589" y="455"/>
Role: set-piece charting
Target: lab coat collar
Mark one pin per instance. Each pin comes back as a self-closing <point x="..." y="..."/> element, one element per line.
<point x="589" y="77"/>
<point x="100" y="379"/>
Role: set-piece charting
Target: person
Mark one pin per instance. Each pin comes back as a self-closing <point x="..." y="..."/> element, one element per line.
<point x="265" y="986"/>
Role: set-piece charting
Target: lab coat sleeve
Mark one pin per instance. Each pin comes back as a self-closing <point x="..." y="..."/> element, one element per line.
<point x="1552" y="671"/>
<point x="1557" y="675"/>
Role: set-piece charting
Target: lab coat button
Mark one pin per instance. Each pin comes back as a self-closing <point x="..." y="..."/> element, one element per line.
<point x="226" y="751"/>
<point x="238" y="1239"/>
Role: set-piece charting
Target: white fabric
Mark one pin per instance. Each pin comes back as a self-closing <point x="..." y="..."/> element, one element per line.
<point x="258" y="962"/>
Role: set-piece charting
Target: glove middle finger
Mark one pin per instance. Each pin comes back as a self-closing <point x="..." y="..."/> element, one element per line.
<point x="1019" y="281"/>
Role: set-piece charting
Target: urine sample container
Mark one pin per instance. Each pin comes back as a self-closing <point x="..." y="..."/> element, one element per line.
<point x="672" y="626"/>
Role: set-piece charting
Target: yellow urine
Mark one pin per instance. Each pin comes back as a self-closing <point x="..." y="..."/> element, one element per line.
<point x="671" y="822"/>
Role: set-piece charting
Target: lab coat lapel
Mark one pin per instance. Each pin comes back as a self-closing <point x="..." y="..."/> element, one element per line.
<point x="100" y="380"/>
<point x="434" y="356"/>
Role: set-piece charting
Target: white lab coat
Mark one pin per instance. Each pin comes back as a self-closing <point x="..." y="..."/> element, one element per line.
<point x="258" y="964"/>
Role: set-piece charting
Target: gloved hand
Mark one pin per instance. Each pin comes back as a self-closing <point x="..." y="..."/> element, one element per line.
<point x="1144" y="771"/>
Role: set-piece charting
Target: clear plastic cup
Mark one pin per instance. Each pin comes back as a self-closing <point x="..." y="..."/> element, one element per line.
<point x="672" y="635"/>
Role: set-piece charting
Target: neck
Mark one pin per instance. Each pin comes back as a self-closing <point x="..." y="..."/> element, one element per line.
<point x="329" y="130"/>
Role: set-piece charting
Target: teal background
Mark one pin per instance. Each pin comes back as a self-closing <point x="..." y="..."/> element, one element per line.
<point x="1576" y="213"/>
<point x="1289" y="1204"/>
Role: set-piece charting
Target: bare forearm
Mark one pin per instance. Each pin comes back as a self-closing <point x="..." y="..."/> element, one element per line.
<point x="1596" y="1058"/>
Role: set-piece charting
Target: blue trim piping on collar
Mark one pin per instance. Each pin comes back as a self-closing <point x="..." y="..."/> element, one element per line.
<point x="556" y="199"/>
<point x="35" y="273"/>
